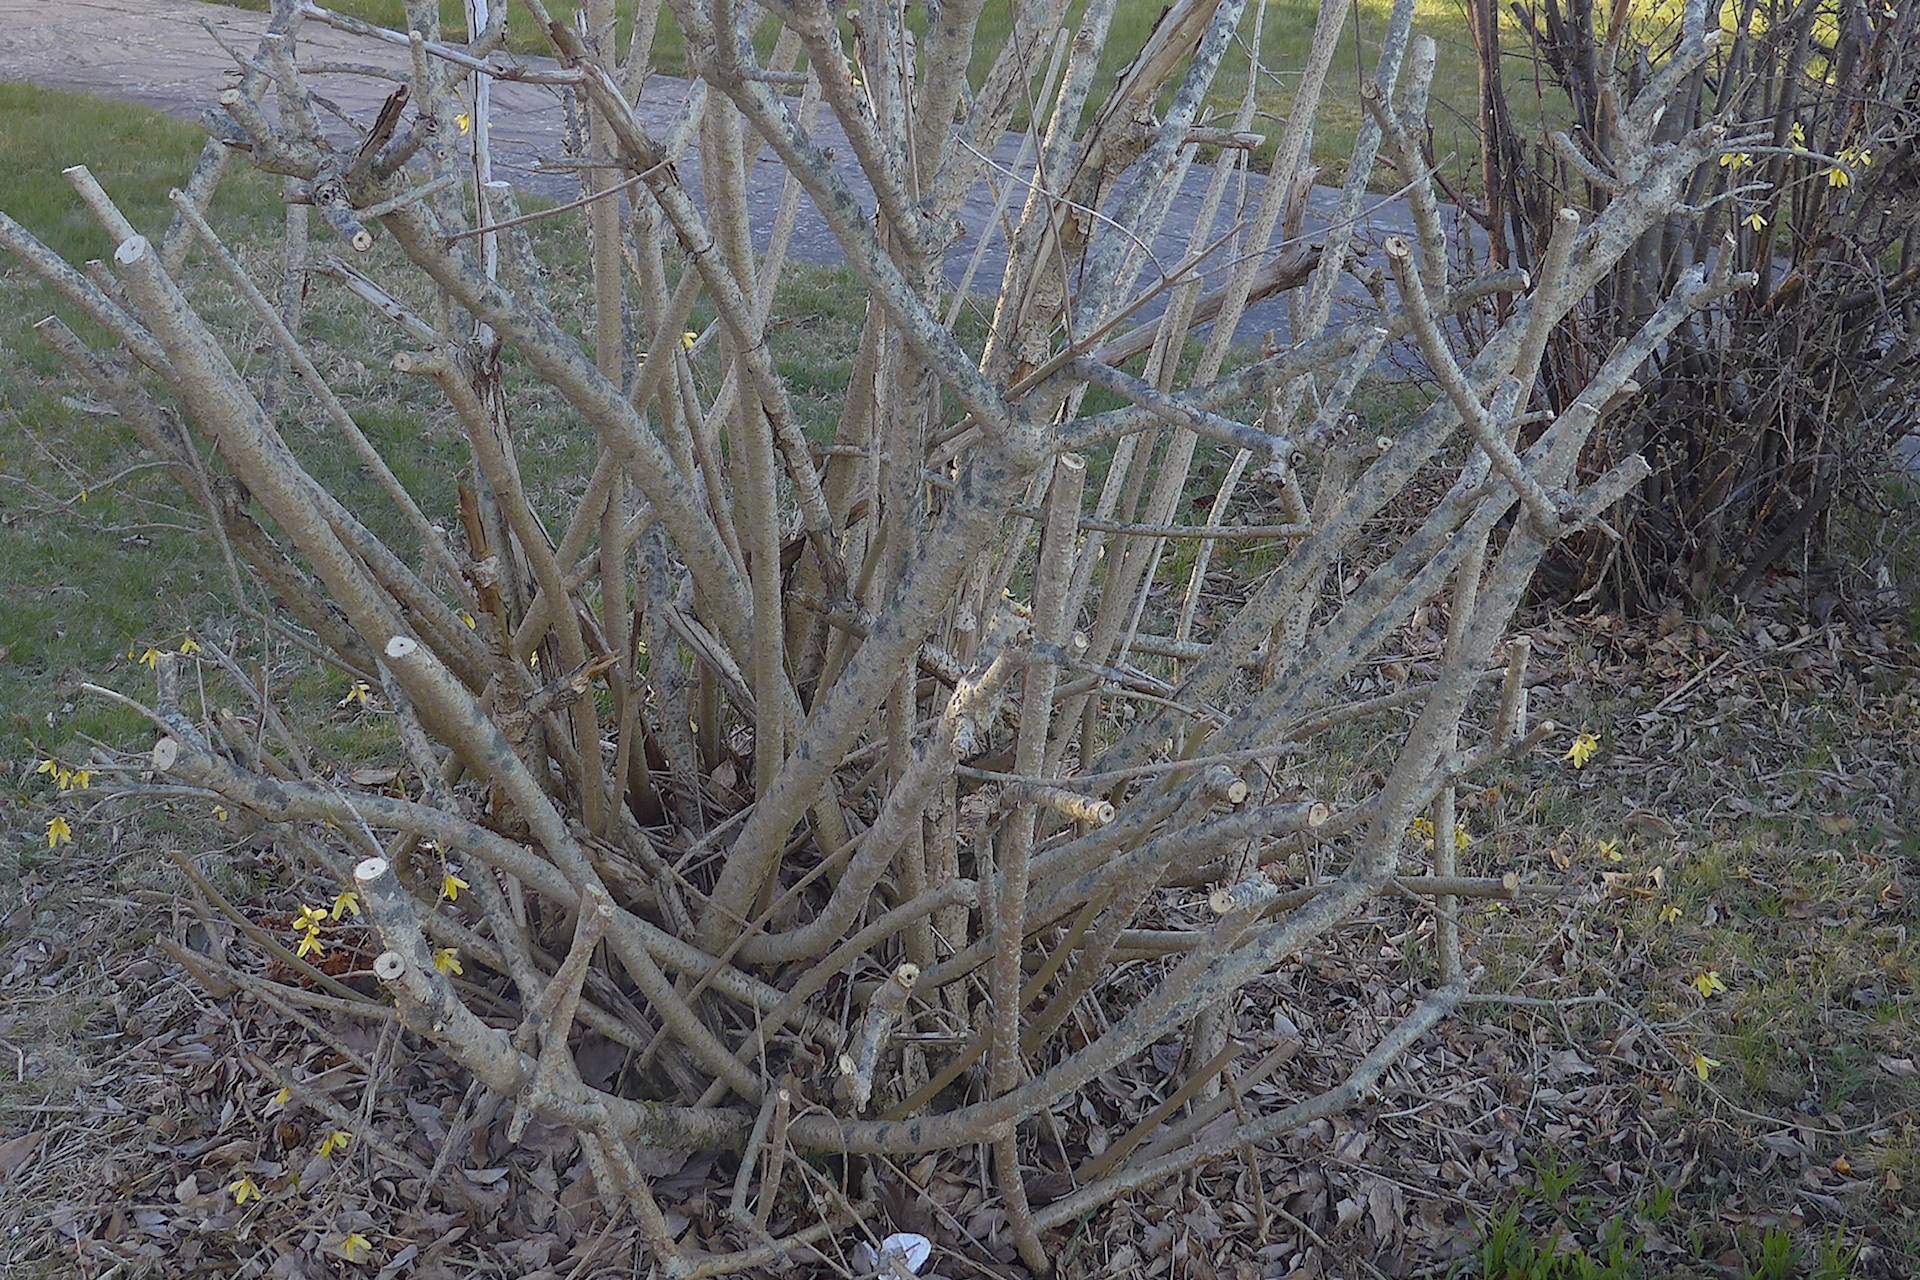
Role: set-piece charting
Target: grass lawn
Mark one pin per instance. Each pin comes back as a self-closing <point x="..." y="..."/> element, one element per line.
<point x="1744" y="865"/>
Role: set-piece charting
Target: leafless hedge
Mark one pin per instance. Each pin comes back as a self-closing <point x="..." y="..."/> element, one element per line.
<point x="875" y="620"/>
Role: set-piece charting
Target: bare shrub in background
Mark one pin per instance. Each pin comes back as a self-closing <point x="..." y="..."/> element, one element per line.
<point x="874" y="621"/>
<point x="1786" y="396"/>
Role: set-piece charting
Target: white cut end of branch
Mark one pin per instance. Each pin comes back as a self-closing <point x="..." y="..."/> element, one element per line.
<point x="388" y="966"/>
<point x="402" y="647"/>
<point x="370" y="869"/>
<point x="165" y="753"/>
<point x="131" y="250"/>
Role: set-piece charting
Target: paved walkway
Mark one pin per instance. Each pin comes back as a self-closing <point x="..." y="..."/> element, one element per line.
<point x="164" y="54"/>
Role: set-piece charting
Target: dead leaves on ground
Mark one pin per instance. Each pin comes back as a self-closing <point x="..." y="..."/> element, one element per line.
<point x="152" y="1115"/>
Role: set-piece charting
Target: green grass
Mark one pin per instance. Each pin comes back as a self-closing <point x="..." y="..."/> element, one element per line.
<point x="92" y="566"/>
<point x="1286" y="35"/>
<point x="86" y="566"/>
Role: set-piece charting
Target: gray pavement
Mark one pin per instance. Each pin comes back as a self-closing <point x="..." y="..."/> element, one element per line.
<point x="165" y="54"/>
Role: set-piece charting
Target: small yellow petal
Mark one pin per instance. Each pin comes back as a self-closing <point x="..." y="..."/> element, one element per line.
<point x="465" y="122"/>
<point x="189" y="647"/>
<point x="244" y="1188"/>
<point x="220" y="813"/>
<point x="353" y="1246"/>
<point x="347" y="903"/>
<point x="1702" y="1064"/>
<point x="447" y="960"/>
<point x="58" y="832"/>
<point x="283" y="1097"/>
<point x="1584" y="746"/>
<point x="1708" y="984"/>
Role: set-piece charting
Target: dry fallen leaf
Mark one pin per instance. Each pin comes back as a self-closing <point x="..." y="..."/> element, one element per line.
<point x="15" y="1152"/>
<point x="1643" y="823"/>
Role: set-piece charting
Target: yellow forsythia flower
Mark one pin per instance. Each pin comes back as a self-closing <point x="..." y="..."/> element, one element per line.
<point x="336" y="1140"/>
<point x="1756" y="221"/>
<point x="307" y="925"/>
<point x="1708" y="984"/>
<point x="353" y="1246"/>
<point x="465" y="122"/>
<point x="1462" y="838"/>
<point x="451" y="885"/>
<point x="1702" y="1064"/>
<point x="283" y="1097"/>
<point x="244" y="1188"/>
<point x="447" y="960"/>
<point x="1584" y="746"/>
<point x="189" y="647"/>
<point x="58" y="832"/>
<point x="220" y="813"/>
<point x="347" y="903"/>
<point x="1609" y="849"/>
<point x="687" y="340"/>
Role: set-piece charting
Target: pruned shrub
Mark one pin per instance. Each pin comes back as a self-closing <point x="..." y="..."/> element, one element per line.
<point x="984" y="761"/>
